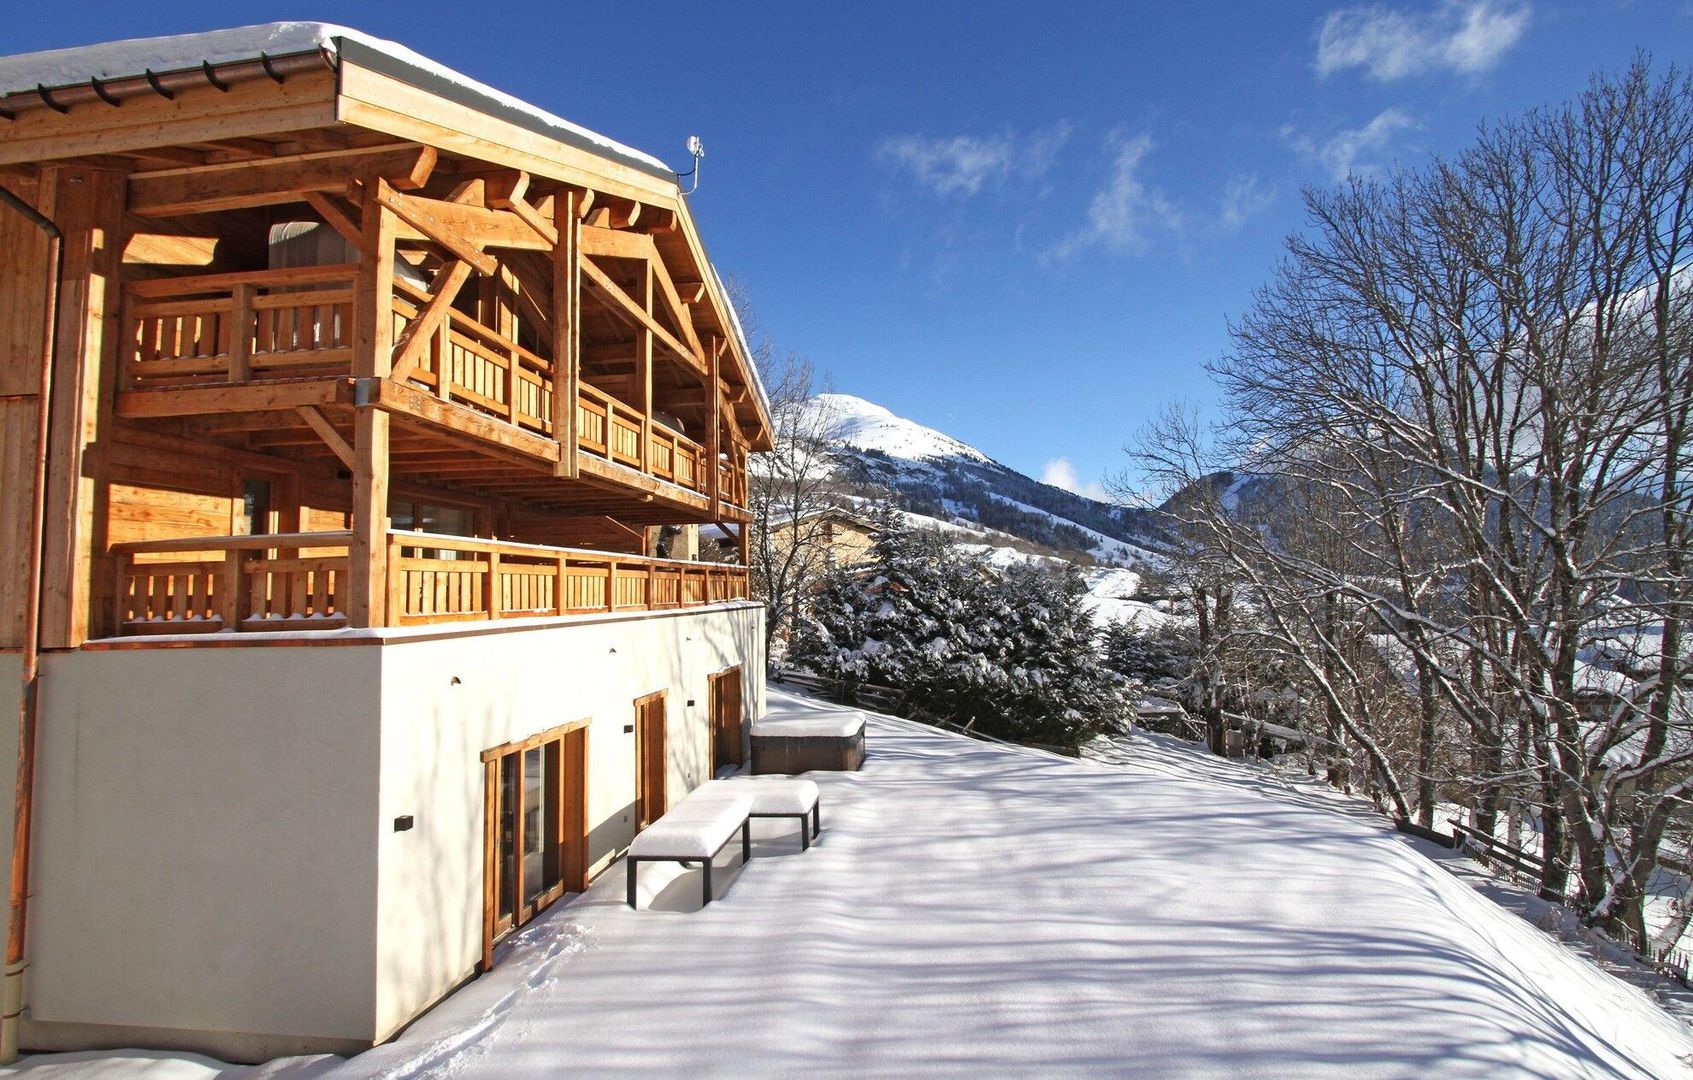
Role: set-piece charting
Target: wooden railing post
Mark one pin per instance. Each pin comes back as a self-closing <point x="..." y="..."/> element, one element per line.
<point x="241" y="333"/>
<point x="611" y="585"/>
<point x="230" y="591"/>
<point x="491" y="589"/>
<point x="562" y="569"/>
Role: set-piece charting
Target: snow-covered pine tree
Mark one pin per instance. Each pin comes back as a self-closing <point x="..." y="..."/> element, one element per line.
<point x="1013" y="652"/>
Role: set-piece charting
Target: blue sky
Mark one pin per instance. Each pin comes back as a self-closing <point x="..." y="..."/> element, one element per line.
<point x="1024" y="224"/>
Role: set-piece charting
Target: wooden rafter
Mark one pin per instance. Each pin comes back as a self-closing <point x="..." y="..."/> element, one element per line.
<point x="430" y="217"/>
<point x="326" y="431"/>
<point x="634" y="314"/>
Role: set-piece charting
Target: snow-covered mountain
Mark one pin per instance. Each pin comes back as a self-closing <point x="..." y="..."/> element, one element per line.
<point x="938" y="476"/>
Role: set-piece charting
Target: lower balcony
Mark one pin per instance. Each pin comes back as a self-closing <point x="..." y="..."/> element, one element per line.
<point x="295" y="581"/>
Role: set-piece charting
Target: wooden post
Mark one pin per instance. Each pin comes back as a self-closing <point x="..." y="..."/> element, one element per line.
<point x="567" y="356"/>
<point x="714" y="406"/>
<point x="611" y="585"/>
<point x="89" y="206"/>
<point x="492" y="598"/>
<point x="559" y="600"/>
<point x="367" y="554"/>
<point x="644" y="369"/>
<point x="229" y="590"/>
<point x="240" y="333"/>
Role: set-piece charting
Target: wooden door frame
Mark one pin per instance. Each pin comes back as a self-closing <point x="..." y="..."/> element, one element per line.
<point x="714" y="683"/>
<point x="565" y="841"/>
<point x="641" y="751"/>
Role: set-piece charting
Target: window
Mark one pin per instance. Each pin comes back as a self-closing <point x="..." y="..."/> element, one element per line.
<point x="535" y="832"/>
<point x="255" y="506"/>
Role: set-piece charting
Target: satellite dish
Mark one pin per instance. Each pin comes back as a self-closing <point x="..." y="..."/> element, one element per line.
<point x="696" y="150"/>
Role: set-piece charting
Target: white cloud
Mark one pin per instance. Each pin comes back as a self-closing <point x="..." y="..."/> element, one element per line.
<point x="1463" y="36"/>
<point x="1242" y="199"/>
<point x="1353" y="150"/>
<point x="1060" y="472"/>
<point x="964" y="165"/>
<point x="1125" y="213"/>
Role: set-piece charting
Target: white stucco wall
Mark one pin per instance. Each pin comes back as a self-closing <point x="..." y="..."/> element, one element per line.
<point x="510" y="686"/>
<point x="204" y="825"/>
<point x="216" y="862"/>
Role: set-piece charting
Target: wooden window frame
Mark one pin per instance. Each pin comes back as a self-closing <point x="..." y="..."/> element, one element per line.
<point x="564" y="848"/>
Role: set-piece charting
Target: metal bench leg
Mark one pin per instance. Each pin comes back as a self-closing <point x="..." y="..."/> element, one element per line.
<point x="804" y="834"/>
<point x="707" y="899"/>
<point x="631" y="863"/>
<point x="817" y="818"/>
<point x="746" y="841"/>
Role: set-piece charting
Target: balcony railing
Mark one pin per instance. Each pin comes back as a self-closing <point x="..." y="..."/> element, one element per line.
<point x="279" y="324"/>
<point x="217" y="328"/>
<point x="295" y="581"/>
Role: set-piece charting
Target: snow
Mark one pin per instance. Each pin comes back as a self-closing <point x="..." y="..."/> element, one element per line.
<point x="868" y="426"/>
<point x="973" y="909"/>
<point x="118" y="59"/>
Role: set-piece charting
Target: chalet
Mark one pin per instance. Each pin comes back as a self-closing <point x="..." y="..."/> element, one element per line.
<point x="340" y="398"/>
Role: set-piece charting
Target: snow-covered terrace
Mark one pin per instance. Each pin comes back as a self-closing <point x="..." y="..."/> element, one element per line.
<point x="982" y="910"/>
<point x="979" y="910"/>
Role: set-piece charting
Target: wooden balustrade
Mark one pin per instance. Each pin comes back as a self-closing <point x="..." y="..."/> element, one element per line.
<point x="471" y="365"/>
<point x="298" y="322"/>
<point x="436" y="578"/>
<point x="292" y="581"/>
<point x="204" y="584"/>
<point x="213" y="328"/>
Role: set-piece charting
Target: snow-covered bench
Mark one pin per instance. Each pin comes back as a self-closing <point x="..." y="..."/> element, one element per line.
<point x="695" y="830"/>
<point x="782" y="797"/>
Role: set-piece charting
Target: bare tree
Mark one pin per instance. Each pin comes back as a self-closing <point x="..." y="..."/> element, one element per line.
<point x="1476" y="379"/>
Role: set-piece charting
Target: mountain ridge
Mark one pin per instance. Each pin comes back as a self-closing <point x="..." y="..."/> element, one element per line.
<point x="936" y="475"/>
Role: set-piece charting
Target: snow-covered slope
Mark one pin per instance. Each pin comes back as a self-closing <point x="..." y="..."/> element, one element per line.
<point x="973" y="910"/>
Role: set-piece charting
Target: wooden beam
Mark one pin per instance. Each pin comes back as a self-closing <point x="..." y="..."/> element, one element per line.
<point x="222" y="400"/>
<point x="367" y="555"/>
<point x="335" y="217"/>
<point x="428" y="217"/>
<point x="714" y="445"/>
<point x="644" y="367"/>
<point x="635" y="315"/>
<point x="234" y="186"/>
<point x="612" y="243"/>
<point x="414" y="339"/>
<point x="326" y="431"/>
<point x="414" y="178"/>
<point x="566" y="328"/>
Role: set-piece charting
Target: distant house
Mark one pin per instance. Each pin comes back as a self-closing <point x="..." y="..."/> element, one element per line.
<point x="367" y="386"/>
<point x="837" y="537"/>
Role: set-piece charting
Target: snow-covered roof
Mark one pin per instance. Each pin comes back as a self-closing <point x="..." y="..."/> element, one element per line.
<point x="136" y="57"/>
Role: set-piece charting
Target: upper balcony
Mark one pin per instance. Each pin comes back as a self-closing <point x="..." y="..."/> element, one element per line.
<point x="282" y="341"/>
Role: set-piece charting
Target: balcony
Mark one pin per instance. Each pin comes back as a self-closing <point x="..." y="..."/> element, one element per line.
<point x="294" y="581"/>
<point x="280" y="339"/>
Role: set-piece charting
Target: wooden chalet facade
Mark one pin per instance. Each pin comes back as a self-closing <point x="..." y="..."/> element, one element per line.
<point x="343" y="349"/>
